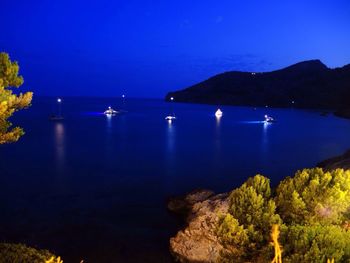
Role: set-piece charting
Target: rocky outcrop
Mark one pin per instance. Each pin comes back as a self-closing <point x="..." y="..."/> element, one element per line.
<point x="342" y="161"/>
<point x="198" y="241"/>
<point x="343" y="113"/>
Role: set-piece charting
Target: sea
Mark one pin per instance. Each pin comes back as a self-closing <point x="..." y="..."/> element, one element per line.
<point x="95" y="188"/>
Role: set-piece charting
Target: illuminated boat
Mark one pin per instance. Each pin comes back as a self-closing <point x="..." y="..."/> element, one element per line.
<point x="269" y="119"/>
<point x="218" y="113"/>
<point x="170" y="118"/>
<point x="110" y="111"/>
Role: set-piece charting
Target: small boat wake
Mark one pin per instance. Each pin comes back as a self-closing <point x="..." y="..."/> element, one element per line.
<point x="252" y="122"/>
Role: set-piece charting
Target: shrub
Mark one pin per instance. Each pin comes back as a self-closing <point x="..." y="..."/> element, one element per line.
<point x="19" y="253"/>
<point x="312" y="209"/>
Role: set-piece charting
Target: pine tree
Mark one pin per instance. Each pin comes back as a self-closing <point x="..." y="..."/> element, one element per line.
<point x="9" y="101"/>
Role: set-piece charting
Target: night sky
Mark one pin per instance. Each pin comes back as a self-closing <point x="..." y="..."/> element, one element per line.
<point x="147" y="48"/>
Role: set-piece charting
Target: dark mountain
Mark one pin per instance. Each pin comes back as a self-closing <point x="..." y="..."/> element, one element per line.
<point x="308" y="84"/>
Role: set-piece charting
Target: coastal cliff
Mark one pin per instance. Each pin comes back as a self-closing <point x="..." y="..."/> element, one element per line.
<point x="198" y="242"/>
<point x="234" y="227"/>
<point x="308" y="84"/>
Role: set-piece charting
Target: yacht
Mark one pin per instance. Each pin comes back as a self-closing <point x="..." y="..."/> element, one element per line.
<point x="110" y="111"/>
<point x="218" y="113"/>
<point x="269" y="119"/>
<point x="170" y="118"/>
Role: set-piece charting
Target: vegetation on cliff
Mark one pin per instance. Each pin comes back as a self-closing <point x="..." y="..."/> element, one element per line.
<point x="10" y="102"/>
<point x="19" y="253"/>
<point x="312" y="209"/>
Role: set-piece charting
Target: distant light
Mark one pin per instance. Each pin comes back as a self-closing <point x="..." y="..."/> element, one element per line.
<point x="266" y="106"/>
<point x="172" y="98"/>
<point x="123" y="96"/>
<point x="59" y="100"/>
<point x="109" y="107"/>
<point x="170" y="118"/>
<point x="218" y="113"/>
<point x="292" y="101"/>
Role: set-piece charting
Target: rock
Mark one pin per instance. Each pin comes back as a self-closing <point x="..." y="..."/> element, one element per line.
<point x="183" y="204"/>
<point x="198" y="241"/>
<point x="344" y="113"/>
<point x="342" y="161"/>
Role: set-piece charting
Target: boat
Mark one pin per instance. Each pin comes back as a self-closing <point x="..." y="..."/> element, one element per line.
<point x="170" y="118"/>
<point x="218" y="113"/>
<point x="269" y="119"/>
<point x="110" y="111"/>
<point x="56" y="118"/>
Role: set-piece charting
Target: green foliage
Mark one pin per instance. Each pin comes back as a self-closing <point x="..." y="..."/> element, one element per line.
<point x="18" y="253"/>
<point x="316" y="243"/>
<point x="312" y="209"/>
<point x="313" y="195"/>
<point x="9" y="102"/>
<point x="233" y="236"/>
<point x="252" y="206"/>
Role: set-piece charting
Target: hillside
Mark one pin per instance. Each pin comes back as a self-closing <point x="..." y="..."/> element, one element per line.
<point x="308" y="84"/>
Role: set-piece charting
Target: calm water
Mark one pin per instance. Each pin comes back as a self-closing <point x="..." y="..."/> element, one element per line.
<point x="95" y="188"/>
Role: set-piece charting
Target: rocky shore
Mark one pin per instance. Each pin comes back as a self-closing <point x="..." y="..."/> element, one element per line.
<point x="198" y="241"/>
<point x="342" y="161"/>
<point x="344" y="113"/>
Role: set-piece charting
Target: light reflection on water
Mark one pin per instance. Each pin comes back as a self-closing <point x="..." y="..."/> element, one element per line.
<point x="170" y="151"/>
<point x="109" y="123"/>
<point x="217" y="141"/>
<point x="170" y="139"/>
<point x="59" y="143"/>
<point x="265" y="141"/>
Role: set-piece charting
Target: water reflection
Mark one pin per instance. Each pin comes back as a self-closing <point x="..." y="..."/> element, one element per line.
<point x="108" y="123"/>
<point x="170" y="138"/>
<point x="59" y="143"/>
<point x="218" y="119"/>
<point x="217" y="137"/>
<point x="265" y="140"/>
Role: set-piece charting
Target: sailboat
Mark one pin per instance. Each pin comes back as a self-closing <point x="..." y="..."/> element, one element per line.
<point x="172" y="116"/>
<point x="59" y="116"/>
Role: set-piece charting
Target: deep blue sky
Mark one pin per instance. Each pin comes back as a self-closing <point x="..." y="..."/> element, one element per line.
<point x="146" y="48"/>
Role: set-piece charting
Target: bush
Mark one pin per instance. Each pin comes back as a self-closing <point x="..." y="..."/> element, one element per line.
<point x="19" y="253"/>
<point x="312" y="209"/>
<point x="316" y="243"/>
<point x="314" y="196"/>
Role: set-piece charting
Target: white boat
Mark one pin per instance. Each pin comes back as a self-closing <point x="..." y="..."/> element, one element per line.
<point x="269" y="119"/>
<point x="218" y="113"/>
<point x="170" y="118"/>
<point x="110" y="111"/>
